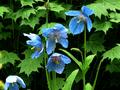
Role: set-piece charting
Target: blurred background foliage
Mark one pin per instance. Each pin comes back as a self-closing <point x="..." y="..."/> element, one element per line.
<point x="26" y="16"/>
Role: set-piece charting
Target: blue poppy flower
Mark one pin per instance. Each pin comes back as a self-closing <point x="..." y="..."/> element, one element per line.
<point x="56" y="62"/>
<point x="12" y="82"/>
<point x="35" y="41"/>
<point x="79" y="20"/>
<point x="57" y="34"/>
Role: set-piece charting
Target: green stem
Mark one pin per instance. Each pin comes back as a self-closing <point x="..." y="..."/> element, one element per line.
<point x="97" y="73"/>
<point x="54" y="81"/>
<point x="47" y="74"/>
<point x="48" y="77"/>
<point x="84" y="57"/>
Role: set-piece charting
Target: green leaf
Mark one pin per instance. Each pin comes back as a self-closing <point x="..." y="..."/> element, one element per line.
<point x="113" y="53"/>
<point x="6" y="57"/>
<point x="24" y="13"/>
<point x="26" y="2"/>
<point x="59" y="83"/>
<point x="28" y="65"/>
<point x="110" y="4"/>
<point x="72" y="57"/>
<point x="70" y="79"/>
<point x="102" y="26"/>
<point x="56" y="7"/>
<point x="94" y="44"/>
<point x="87" y="63"/>
<point x="114" y="66"/>
<point x="115" y="17"/>
<point x="88" y="86"/>
<point x="3" y="10"/>
<point x="99" y="9"/>
<point x="69" y="68"/>
<point x="32" y="21"/>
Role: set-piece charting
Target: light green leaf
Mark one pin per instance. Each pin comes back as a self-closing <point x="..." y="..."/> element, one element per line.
<point x="56" y="7"/>
<point x="26" y="2"/>
<point x="102" y="26"/>
<point x="28" y="65"/>
<point x="70" y="79"/>
<point x="41" y="13"/>
<point x="6" y="57"/>
<point x="99" y="9"/>
<point x="88" y="86"/>
<point x="112" y="54"/>
<point x="87" y="63"/>
<point x="110" y="4"/>
<point x="59" y="83"/>
<point x="32" y="21"/>
<point x="115" y="17"/>
<point x="3" y="10"/>
<point x="94" y="44"/>
<point x="72" y="57"/>
<point x="114" y="66"/>
<point x="24" y="13"/>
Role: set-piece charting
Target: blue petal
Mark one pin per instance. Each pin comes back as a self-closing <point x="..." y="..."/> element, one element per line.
<point x="87" y="11"/>
<point x="50" y="46"/>
<point x="73" y="13"/>
<point x="14" y="86"/>
<point x="21" y="82"/>
<point x="76" y="26"/>
<point x="32" y="36"/>
<point x="65" y="59"/>
<point x="60" y="27"/>
<point x="6" y="86"/>
<point x="46" y="32"/>
<point x="34" y="43"/>
<point x="59" y="67"/>
<point x="50" y="65"/>
<point x="36" y="54"/>
<point x="89" y="24"/>
<point x="63" y="42"/>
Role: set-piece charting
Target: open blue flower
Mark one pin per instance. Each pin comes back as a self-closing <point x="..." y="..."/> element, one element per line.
<point x="12" y="82"/>
<point x="57" y="34"/>
<point x="56" y="62"/>
<point x="79" y="20"/>
<point x="35" y="41"/>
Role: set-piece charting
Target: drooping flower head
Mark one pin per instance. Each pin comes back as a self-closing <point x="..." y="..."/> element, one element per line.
<point x="57" y="34"/>
<point x="35" y="41"/>
<point x="12" y="82"/>
<point x="56" y="62"/>
<point x="79" y="20"/>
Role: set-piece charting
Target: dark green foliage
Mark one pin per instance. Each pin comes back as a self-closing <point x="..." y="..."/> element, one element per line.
<point x="29" y="16"/>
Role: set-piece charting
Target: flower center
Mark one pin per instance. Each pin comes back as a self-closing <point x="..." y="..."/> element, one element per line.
<point x="56" y="59"/>
<point x="81" y="18"/>
<point x="55" y="35"/>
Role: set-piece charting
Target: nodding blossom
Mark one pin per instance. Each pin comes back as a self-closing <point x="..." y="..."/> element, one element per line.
<point x="57" y="34"/>
<point x="56" y="62"/>
<point x="13" y="82"/>
<point x="36" y="42"/>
